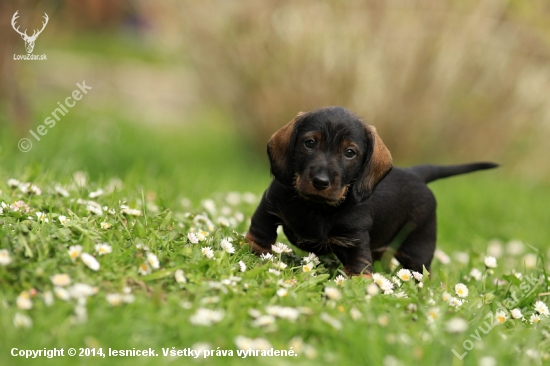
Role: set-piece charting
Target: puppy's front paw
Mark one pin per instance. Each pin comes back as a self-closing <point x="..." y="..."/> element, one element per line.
<point x="350" y="273"/>
<point x="255" y="247"/>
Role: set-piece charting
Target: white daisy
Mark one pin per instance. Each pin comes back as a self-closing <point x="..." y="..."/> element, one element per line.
<point x="476" y="274"/>
<point x="105" y="225"/>
<point x="332" y="293"/>
<point x="534" y="319"/>
<point x="129" y="211"/>
<point x="210" y="300"/>
<point x="41" y="217"/>
<point x="249" y="197"/>
<point x="114" y="299"/>
<point x="103" y="248"/>
<point x="93" y="207"/>
<point x="13" y="183"/>
<point x="61" y="191"/>
<point x="282" y="292"/>
<point x="382" y="282"/>
<point x="233" y="198"/>
<point x="404" y="274"/>
<point x="82" y="290"/>
<point x="5" y="258"/>
<point x="207" y="252"/>
<point x="442" y="256"/>
<point x="209" y="205"/>
<point x="22" y="321"/>
<point x="266" y="256"/>
<point x="193" y="238"/>
<point x="180" y="277"/>
<point x="280" y="248"/>
<point x="516" y="313"/>
<point x="355" y="314"/>
<point x="153" y="260"/>
<point x="48" y="298"/>
<point x="244" y="343"/>
<point x="333" y="322"/>
<point x="541" y="308"/>
<point x="30" y="188"/>
<point x="63" y="219"/>
<point x="372" y="289"/>
<point x="144" y="269"/>
<point x="500" y="317"/>
<point x="96" y="194"/>
<point x="461" y="290"/>
<point x="75" y="251"/>
<point x="90" y="261"/>
<point x="62" y="293"/>
<point x="242" y="266"/>
<point x="456" y="325"/>
<point x="515" y="247"/>
<point x="453" y="301"/>
<point x="61" y="280"/>
<point x="263" y="321"/>
<point x="312" y="258"/>
<point x="307" y="267"/>
<point x="432" y="315"/>
<point x="418" y="276"/>
<point x="530" y="260"/>
<point x="284" y="312"/>
<point x="24" y="301"/>
<point x="202" y="235"/>
<point x="227" y="246"/>
<point x="339" y="280"/>
<point x="490" y="261"/>
<point x="206" y="317"/>
<point x="383" y="320"/>
<point x="461" y="257"/>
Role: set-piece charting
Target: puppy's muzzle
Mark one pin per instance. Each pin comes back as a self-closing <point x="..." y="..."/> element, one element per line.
<point x="320" y="181"/>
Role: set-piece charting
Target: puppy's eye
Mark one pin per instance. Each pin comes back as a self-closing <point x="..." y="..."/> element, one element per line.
<point x="310" y="144"/>
<point x="350" y="153"/>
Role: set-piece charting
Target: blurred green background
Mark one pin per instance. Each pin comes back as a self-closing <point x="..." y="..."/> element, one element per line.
<point x="185" y="94"/>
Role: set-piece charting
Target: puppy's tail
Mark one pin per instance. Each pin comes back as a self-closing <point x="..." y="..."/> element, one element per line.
<point x="429" y="173"/>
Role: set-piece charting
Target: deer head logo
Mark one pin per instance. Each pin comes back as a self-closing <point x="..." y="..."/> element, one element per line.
<point x="29" y="40"/>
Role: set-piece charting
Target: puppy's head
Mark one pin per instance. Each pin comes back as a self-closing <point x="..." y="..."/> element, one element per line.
<point x="326" y="153"/>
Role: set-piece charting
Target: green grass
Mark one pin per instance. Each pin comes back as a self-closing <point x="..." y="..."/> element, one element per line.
<point x="161" y="167"/>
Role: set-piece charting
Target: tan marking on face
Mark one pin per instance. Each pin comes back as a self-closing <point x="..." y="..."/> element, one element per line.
<point x="331" y="196"/>
<point x="347" y="144"/>
<point x="316" y="136"/>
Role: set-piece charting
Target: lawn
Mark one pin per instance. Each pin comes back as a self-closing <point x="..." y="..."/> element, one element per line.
<point x="122" y="237"/>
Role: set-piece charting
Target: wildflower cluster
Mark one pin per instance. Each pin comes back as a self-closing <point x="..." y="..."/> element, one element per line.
<point x="81" y="244"/>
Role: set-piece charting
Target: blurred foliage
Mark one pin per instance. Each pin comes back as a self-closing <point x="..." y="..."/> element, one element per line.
<point x="443" y="82"/>
<point x="193" y="163"/>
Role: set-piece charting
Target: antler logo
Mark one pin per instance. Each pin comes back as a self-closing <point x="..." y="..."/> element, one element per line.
<point x="29" y="40"/>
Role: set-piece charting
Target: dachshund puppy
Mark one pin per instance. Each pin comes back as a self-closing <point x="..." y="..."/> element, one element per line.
<point x="334" y="190"/>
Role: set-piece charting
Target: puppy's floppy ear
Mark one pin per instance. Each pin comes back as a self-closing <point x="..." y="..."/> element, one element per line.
<point x="378" y="163"/>
<point x="280" y="149"/>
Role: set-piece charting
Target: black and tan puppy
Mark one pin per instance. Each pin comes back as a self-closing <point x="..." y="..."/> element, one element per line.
<point x="334" y="190"/>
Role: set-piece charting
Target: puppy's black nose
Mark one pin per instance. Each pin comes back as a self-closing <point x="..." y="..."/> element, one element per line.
<point x="320" y="182"/>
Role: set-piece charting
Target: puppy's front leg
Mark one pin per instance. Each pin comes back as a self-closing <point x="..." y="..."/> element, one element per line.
<point x="263" y="228"/>
<point x="356" y="258"/>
